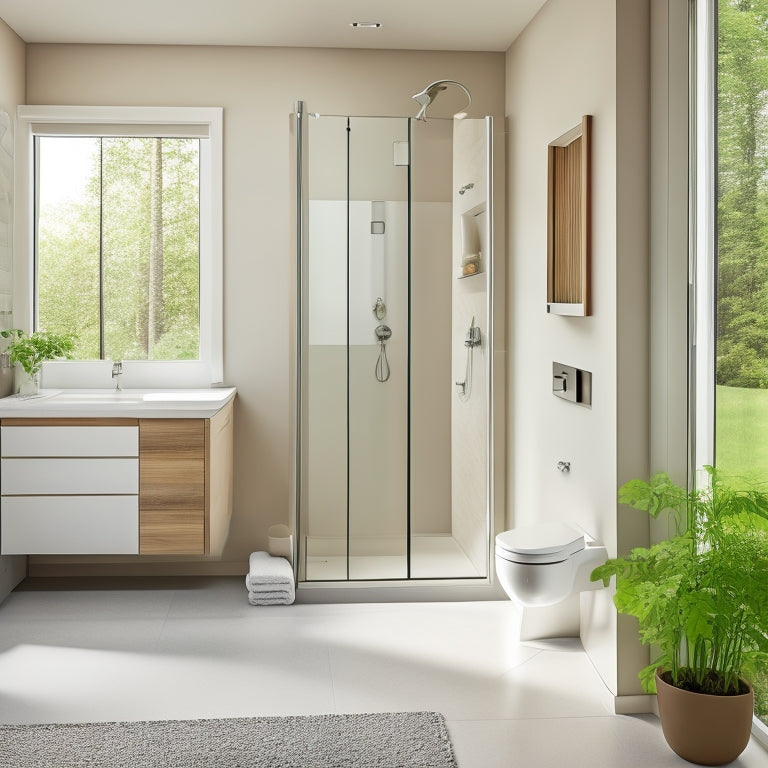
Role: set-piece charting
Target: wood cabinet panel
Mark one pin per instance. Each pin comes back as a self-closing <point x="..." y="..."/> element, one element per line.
<point x="170" y="439"/>
<point x="172" y="483"/>
<point x="219" y="480"/>
<point x="172" y="532"/>
<point x="172" y="487"/>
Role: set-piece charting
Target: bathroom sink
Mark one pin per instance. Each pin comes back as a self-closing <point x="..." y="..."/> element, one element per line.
<point x="92" y="398"/>
<point x="133" y="396"/>
<point x="125" y="403"/>
<point x="188" y="396"/>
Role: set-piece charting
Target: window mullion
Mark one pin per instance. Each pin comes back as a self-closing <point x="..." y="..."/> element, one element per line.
<point x="102" y="352"/>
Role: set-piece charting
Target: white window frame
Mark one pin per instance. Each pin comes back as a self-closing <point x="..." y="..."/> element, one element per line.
<point x="205" y="122"/>
<point x="702" y="248"/>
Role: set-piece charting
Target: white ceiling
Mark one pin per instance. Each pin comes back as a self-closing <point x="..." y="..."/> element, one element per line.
<point x="460" y="25"/>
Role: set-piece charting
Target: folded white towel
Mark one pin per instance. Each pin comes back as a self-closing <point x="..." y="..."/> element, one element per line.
<point x="265" y="569"/>
<point x="272" y="590"/>
<point x="270" y="598"/>
<point x="269" y="580"/>
<point x="256" y="587"/>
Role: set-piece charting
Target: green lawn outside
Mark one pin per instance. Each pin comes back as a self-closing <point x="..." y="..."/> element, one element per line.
<point x="741" y="437"/>
<point x="741" y="450"/>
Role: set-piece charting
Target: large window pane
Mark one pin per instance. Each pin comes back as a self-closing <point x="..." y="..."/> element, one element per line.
<point x="741" y="412"/>
<point x="118" y="245"/>
<point x="68" y="238"/>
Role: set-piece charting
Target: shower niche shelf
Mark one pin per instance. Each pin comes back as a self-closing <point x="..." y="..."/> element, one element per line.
<point x="568" y="222"/>
<point x="472" y="242"/>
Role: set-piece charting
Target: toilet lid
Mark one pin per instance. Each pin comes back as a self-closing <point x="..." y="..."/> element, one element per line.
<point x="541" y="542"/>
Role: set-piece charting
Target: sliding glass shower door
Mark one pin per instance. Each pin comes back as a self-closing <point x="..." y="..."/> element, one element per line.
<point x="357" y="352"/>
<point x="380" y="352"/>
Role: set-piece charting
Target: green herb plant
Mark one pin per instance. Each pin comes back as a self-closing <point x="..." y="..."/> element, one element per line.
<point x="702" y="595"/>
<point x="30" y="351"/>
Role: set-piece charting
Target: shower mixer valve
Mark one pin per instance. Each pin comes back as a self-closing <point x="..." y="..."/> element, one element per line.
<point x="473" y="335"/>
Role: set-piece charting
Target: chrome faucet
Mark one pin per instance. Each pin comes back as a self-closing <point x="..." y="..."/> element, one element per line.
<point x="117" y="372"/>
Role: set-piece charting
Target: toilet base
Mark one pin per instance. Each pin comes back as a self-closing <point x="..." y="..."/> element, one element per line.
<point x="550" y="621"/>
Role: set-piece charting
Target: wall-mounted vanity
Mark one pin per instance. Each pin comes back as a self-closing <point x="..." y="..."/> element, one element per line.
<point x="102" y="472"/>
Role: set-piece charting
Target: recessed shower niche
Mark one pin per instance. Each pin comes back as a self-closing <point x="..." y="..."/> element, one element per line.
<point x="394" y="478"/>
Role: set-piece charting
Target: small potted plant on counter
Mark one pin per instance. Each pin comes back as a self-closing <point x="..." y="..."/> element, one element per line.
<point x="702" y="598"/>
<point x="30" y="351"/>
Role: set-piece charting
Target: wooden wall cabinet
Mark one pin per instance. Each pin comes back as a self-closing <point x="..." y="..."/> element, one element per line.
<point x="569" y="212"/>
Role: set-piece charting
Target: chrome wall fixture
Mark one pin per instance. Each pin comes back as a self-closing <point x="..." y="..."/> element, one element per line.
<point x="572" y="384"/>
<point x="431" y="92"/>
<point x="472" y="340"/>
<point x="379" y="309"/>
<point x="383" y="333"/>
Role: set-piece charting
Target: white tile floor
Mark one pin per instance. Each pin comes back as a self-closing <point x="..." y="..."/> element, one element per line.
<point x="197" y="649"/>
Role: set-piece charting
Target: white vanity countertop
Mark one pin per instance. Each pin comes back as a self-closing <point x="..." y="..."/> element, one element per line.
<point x="108" y="403"/>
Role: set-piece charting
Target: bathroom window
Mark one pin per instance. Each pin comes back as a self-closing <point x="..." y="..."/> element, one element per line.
<point x="731" y="246"/>
<point x="124" y="239"/>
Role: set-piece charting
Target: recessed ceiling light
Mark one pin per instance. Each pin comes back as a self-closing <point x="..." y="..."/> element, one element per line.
<point x="366" y="24"/>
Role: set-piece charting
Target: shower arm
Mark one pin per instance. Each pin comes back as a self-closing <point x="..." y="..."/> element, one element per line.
<point x="429" y="94"/>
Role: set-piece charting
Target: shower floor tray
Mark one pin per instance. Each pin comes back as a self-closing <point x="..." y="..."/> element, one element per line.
<point x="432" y="557"/>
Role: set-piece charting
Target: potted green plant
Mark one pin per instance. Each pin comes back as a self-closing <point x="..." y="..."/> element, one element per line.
<point x="700" y="597"/>
<point x="30" y="351"/>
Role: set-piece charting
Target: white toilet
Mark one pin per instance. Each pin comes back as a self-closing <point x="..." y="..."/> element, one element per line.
<point x="544" y="564"/>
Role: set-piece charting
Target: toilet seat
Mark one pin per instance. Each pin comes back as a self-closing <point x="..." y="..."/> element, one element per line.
<point x="545" y="543"/>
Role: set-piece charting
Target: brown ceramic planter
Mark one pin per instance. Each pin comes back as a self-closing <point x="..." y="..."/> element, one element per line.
<point x="704" y="729"/>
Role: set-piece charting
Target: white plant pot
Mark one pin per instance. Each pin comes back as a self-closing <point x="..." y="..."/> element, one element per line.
<point x="30" y="385"/>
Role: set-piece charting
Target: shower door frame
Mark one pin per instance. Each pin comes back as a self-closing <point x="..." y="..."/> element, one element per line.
<point x="301" y="200"/>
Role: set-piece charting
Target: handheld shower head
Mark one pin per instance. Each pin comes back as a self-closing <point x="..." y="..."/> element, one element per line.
<point x="430" y="93"/>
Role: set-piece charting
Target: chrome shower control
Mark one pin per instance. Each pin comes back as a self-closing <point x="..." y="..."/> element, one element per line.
<point x="379" y="309"/>
<point x="564" y="466"/>
<point x="572" y="384"/>
<point x="383" y="334"/>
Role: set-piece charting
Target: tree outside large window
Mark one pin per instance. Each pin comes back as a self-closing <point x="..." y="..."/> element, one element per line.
<point x="741" y="417"/>
<point x="118" y="245"/>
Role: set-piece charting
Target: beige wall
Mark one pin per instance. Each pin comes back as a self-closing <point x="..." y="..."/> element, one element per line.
<point x="12" y="87"/>
<point x="258" y="88"/>
<point x="567" y="64"/>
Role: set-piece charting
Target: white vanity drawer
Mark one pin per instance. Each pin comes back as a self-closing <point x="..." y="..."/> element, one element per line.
<point x="69" y="441"/>
<point x="69" y="476"/>
<point x="69" y="525"/>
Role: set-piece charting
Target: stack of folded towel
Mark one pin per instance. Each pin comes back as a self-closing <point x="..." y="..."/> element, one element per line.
<point x="269" y="580"/>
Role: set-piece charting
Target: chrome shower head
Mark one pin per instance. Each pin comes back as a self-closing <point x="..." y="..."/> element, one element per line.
<point x="429" y="94"/>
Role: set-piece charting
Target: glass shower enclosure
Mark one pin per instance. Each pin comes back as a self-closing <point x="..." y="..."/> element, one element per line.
<point x="394" y="286"/>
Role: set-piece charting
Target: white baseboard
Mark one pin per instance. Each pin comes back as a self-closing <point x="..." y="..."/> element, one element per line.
<point x="641" y="704"/>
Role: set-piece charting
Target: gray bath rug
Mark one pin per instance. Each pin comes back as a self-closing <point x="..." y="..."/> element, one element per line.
<point x="389" y="740"/>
